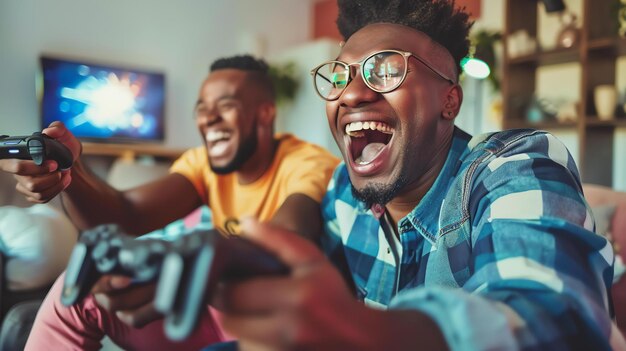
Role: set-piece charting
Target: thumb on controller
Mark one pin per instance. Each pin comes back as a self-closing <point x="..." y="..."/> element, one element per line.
<point x="58" y="131"/>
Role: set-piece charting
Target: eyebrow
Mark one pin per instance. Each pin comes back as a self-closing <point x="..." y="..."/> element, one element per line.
<point x="221" y="98"/>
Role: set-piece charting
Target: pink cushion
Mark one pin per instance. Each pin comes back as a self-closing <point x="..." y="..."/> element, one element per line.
<point x="600" y="196"/>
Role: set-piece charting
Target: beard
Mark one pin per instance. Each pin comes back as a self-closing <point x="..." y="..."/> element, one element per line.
<point x="380" y="193"/>
<point x="244" y="152"/>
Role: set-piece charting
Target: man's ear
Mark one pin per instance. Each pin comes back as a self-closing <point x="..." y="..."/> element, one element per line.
<point x="452" y="102"/>
<point x="267" y="113"/>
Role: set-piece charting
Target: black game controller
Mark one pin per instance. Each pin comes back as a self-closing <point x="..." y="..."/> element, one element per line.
<point x="37" y="147"/>
<point x="194" y="267"/>
<point x="188" y="269"/>
<point x="106" y="250"/>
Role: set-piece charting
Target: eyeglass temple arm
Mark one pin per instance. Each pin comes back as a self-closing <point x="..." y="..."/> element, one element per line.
<point x="314" y="73"/>
<point x="436" y="71"/>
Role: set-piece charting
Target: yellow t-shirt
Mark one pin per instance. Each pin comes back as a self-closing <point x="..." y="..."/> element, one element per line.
<point x="298" y="167"/>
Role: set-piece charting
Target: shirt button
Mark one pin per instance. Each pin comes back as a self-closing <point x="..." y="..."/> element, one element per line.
<point x="388" y="250"/>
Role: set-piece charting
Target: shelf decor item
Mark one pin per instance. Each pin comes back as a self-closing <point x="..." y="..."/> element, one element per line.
<point x="569" y="34"/>
<point x="605" y="100"/>
<point x="520" y="43"/>
<point x="534" y="111"/>
<point x="619" y="7"/>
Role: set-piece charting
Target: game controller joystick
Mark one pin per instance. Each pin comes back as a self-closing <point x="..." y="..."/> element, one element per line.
<point x="37" y="147"/>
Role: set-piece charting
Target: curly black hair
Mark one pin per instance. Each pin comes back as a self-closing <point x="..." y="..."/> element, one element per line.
<point x="241" y="62"/>
<point x="259" y="70"/>
<point x="441" y="20"/>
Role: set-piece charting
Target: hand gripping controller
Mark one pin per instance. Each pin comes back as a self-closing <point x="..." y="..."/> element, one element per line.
<point x="188" y="269"/>
<point x="106" y="250"/>
<point x="194" y="267"/>
<point x="37" y="147"/>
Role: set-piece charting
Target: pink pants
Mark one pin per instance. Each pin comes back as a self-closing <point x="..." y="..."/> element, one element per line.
<point x="82" y="327"/>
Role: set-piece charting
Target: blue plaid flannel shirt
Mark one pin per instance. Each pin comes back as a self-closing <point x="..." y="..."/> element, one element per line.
<point x="500" y="252"/>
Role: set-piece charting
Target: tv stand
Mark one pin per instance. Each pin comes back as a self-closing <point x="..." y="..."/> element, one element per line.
<point x="131" y="151"/>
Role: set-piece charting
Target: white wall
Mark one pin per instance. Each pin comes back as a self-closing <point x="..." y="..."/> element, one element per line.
<point x="306" y="115"/>
<point x="180" y="38"/>
<point x="476" y="115"/>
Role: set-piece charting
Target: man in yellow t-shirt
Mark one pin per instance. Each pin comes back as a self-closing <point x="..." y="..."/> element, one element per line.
<point x="297" y="168"/>
<point x="243" y="169"/>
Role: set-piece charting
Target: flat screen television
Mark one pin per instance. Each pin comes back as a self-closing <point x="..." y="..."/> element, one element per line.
<point x="99" y="102"/>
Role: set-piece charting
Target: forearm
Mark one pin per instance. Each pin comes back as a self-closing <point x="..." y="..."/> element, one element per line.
<point x="398" y="330"/>
<point x="90" y="201"/>
<point x="300" y="214"/>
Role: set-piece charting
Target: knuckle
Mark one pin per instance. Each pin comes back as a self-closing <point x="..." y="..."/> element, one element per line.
<point x="303" y="296"/>
<point x="104" y="301"/>
<point x="15" y="167"/>
<point x="132" y="321"/>
<point x="29" y="185"/>
<point x="21" y="167"/>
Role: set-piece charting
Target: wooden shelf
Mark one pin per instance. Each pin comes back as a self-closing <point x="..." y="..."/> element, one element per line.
<point x="616" y="45"/>
<point x="519" y="123"/>
<point x="615" y="122"/>
<point x="598" y="49"/>
<point x="546" y="58"/>
<point x="131" y="150"/>
<point x="601" y="43"/>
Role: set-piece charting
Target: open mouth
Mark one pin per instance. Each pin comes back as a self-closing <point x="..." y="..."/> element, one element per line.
<point x="217" y="141"/>
<point x="367" y="140"/>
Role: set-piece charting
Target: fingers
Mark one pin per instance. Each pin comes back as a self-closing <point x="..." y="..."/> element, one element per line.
<point x="255" y="296"/>
<point x="248" y="345"/>
<point x="269" y="330"/>
<point x="290" y="248"/>
<point x="27" y="167"/>
<point x="130" y="298"/>
<point x="139" y="317"/>
<point x="42" y="188"/>
<point x="111" y="283"/>
<point x="58" y="131"/>
<point x="132" y="304"/>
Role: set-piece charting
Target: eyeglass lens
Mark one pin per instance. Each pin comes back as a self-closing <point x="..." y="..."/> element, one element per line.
<point x="382" y="72"/>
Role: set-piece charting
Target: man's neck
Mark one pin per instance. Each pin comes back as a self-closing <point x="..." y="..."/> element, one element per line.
<point x="414" y="192"/>
<point x="404" y="203"/>
<point x="258" y="164"/>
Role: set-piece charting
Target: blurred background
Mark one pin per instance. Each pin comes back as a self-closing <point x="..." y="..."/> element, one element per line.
<point x="545" y="59"/>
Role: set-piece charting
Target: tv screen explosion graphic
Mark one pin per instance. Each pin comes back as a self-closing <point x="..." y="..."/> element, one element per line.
<point x="102" y="102"/>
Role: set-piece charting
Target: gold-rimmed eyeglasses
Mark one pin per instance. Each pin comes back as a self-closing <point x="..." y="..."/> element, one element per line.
<point x="383" y="71"/>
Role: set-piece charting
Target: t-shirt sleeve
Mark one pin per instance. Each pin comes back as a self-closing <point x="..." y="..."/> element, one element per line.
<point x="309" y="170"/>
<point x="190" y="165"/>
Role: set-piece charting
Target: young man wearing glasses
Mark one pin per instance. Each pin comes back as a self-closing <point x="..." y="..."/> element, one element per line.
<point x="451" y="242"/>
<point x="243" y="169"/>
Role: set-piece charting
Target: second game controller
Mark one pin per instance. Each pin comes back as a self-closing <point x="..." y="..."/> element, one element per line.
<point x="107" y="250"/>
<point x="195" y="265"/>
<point x="187" y="269"/>
<point x="37" y="147"/>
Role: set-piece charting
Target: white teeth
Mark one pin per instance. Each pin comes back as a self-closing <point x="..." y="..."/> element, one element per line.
<point x="355" y="129"/>
<point x="215" y="135"/>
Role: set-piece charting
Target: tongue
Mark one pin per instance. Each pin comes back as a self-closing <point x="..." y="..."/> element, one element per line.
<point x="370" y="151"/>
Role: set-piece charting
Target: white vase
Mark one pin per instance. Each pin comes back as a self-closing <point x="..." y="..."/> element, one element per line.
<point x="605" y="100"/>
